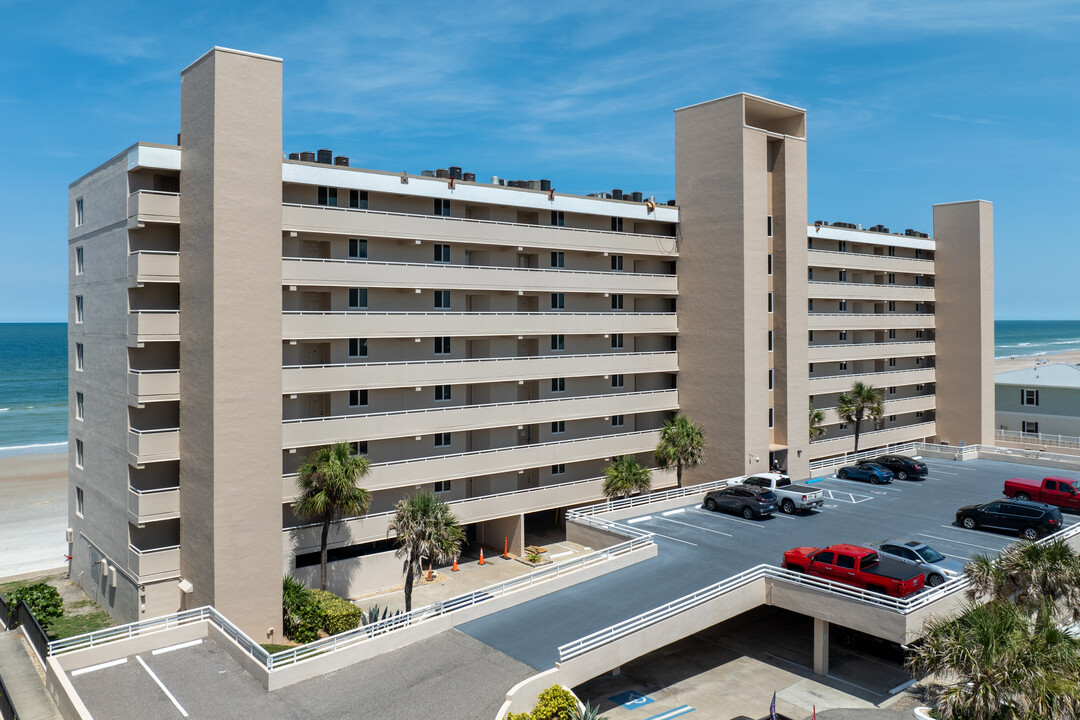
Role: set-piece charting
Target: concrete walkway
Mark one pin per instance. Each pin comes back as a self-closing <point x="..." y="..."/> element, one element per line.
<point x="21" y="678"/>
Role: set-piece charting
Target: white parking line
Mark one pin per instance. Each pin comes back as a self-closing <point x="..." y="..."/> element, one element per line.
<point x="676" y="511"/>
<point x="867" y="484"/>
<point x="697" y="527"/>
<point x="850" y="496"/>
<point x="643" y="518"/>
<point x="732" y="519"/>
<point x="161" y="685"/>
<point x="550" y="557"/>
<point x="193" y="643"/>
<point x="958" y="542"/>
<point x="668" y="537"/>
<point x="101" y="666"/>
<point x="943" y="472"/>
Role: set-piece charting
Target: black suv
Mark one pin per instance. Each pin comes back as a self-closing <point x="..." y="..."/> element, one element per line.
<point x="1029" y="520"/>
<point x="902" y="466"/>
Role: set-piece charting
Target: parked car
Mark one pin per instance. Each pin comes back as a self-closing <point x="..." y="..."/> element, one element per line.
<point x="1029" y="520"/>
<point x="877" y="474"/>
<point x="935" y="567"/>
<point x="1058" y="491"/>
<point x="902" y="466"/>
<point x="791" y="497"/>
<point x="750" y="502"/>
<point x="858" y="566"/>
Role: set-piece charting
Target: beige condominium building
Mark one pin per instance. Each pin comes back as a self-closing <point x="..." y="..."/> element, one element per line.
<point x="233" y="308"/>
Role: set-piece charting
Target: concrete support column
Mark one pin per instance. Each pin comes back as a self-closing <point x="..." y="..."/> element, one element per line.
<point x="821" y="646"/>
<point x="511" y="528"/>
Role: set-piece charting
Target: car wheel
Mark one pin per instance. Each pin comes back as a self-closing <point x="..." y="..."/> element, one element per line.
<point x="901" y="475"/>
<point x="969" y="523"/>
<point x="710" y="504"/>
<point x="875" y="480"/>
<point x="747" y="512"/>
<point x="842" y="474"/>
<point x="1023" y="496"/>
<point x="787" y="507"/>
<point x="934" y="580"/>
<point x="1030" y="533"/>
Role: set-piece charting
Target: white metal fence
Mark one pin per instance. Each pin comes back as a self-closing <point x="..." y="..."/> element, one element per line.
<point x="1067" y="441"/>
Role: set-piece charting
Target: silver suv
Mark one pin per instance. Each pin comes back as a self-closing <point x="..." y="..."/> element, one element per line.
<point x="936" y="567"/>
<point x="750" y="502"/>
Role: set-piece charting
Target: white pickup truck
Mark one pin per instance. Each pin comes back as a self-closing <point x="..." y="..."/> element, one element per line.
<point x="791" y="497"/>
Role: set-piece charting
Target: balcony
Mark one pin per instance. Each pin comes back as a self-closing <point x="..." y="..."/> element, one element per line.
<point x="370" y="223"/>
<point x="153" y="385"/>
<point x="154" y="564"/>
<point x="871" y="351"/>
<point x="328" y="378"/>
<point x="840" y="383"/>
<point x="156" y="504"/>
<point x="488" y="507"/>
<point x="899" y="406"/>
<point x="344" y="273"/>
<point x="872" y="439"/>
<point x="148" y="446"/>
<point x="154" y="266"/>
<point x="871" y="321"/>
<point x="866" y="261"/>
<point x="301" y="325"/>
<point x="153" y="326"/>
<point x="409" y="473"/>
<point x="869" y="291"/>
<point x="152" y="206"/>
<point x="416" y="423"/>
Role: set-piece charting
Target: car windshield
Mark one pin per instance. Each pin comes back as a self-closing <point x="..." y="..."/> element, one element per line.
<point x="929" y="554"/>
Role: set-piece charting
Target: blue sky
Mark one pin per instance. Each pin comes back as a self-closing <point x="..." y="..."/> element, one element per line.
<point x="910" y="103"/>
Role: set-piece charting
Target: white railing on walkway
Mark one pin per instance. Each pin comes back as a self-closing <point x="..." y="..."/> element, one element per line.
<point x="606" y="506"/>
<point x="848" y="458"/>
<point x="1068" y="441"/>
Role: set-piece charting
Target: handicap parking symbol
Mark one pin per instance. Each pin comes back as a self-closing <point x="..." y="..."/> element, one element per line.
<point x="631" y="699"/>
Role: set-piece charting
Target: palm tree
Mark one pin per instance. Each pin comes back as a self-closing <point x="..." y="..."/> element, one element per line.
<point x="327" y="482"/>
<point x="817" y="419"/>
<point x="861" y="402"/>
<point x="625" y="476"/>
<point x="682" y="444"/>
<point x="993" y="663"/>
<point x="425" y="527"/>
<point x="1043" y="580"/>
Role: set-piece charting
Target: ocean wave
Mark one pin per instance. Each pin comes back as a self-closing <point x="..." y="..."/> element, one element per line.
<point x="4" y="409"/>
<point x="33" y="449"/>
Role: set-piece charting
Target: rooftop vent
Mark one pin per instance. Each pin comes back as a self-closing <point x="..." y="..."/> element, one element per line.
<point x="442" y="173"/>
<point x="545" y="185"/>
<point x="427" y="173"/>
<point x="326" y="157"/>
<point x="455" y="172"/>
<point x="637" y="197"/>
<point x="616" y="194"/>
<point x="671" y="203"/>
<point x="307" y="156"/>
<point x="341" y="160"/>
<point x="294" y="156"/>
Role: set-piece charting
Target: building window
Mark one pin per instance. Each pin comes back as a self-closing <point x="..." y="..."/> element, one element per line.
<point x="843" y="306"/>
<point x="558" y="259"/>
<point x="558" y="427"/>
<point x="809" y="243"/>
<point x="618" y="381"/>
<point x="892" y="306"/>
<point x="442" y="253"/>
<point x="842" y="276"/>
<point x="892" y="362"/>
<point x="810" y="305"/>
<point x="617" y="263"/>
<point x="892" y="389"/>
<point x="79" y="454"/>
<point x="79" y="219"/>
<point x="918" y="307"/>
<point x="811" y="368"/>
<point x="442" y="207"/>
<point x="892" y="278"/>
<point x="768" y="225"/>
<point x="328" y="196"/>
<point x="771" y="417"/>
<point x="442" y="393"/>
<point x="357" y="347"/>
<point x="918" y="414"/>
<point x="78" y="309"/>
<point x="358" y="298"/>
<point x="442" y="346"/>
<point x="918" y="280"/>
<point x="558" y="343"/>
<point x="842" y="335"/>
<point x="442" y="299"/>
<point x="357" y="248"/>
<point x="770" y="302"/>
<point x="616" y="224"/>
<point x="617" y="301"/>
<point x="79" y="507"/>
<point x="770" y="378"/>
<point x="558" y="385"/>
<point x="359" y="447"/>
<point x="918" y="334"/>
<point x="770" y="340"/>
<point x="358" y="398"/>
<point x="78" y="406"/>
<point x="442" y="439"/>
<point x="441" y="487"/>
<point x="559" y="469"/>
<point x="358" y="199"/>
<point x="892" y="334"/>
<point x="79" y="357"/>
<point x="843" y="426"/>
<point x="843" y="365"/>
<point x="617" y="421"/>
<point x="892" y="251"/>
<point x="558" y="301"/>
<point x="79" y="260"/>
<point x="892" y="418"/>
<point x="842" y="246"/>
<point x="918" y="254"/>
<point x="558" y="219"/>
<point x="810" y="336"/>
<point x="770" y="263"/>
<point x="1029" y="397"/>
<point x="1030" y="427"/>
<point x="919" y="387"/>
<point x="809" y="273"/>
<point x="918" y="361"/>
<point x="616" y="341"/>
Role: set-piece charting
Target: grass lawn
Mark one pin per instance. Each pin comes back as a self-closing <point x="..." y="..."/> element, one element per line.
<point x="272" y="648"/>
<point x="81" y="616"/>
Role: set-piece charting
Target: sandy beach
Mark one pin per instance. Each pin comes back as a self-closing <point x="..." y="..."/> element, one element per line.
<point x="1022" y="363"/>
<point x="33" y="513"/>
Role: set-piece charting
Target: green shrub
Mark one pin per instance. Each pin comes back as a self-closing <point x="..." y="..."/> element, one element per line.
<point x="555" y="703"/>
<point x="339" y="614"/>
<point x="42" y="599"/>
<point x="301" y="614"/>
<point x="519" y="716"/>
<point x="376" y="614"/>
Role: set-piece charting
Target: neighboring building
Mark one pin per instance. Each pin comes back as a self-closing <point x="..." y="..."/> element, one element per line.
<point x="1044" y="399"/>
<point x="232" y="310"/>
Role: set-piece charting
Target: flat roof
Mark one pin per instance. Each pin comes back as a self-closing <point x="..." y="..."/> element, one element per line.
<point x="1062" y="375"/>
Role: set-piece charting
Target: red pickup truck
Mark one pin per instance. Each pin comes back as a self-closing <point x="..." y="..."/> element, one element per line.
<point x="858" y="566"/>
<point x="1053" y="490"/>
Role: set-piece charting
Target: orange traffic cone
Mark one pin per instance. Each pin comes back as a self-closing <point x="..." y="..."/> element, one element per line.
<point x="454" y="569"/>
<point x="506" y="556"/>
<point x="481" y="556"/>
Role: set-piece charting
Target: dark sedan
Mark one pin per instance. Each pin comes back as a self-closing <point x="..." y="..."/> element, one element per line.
<point x="902" y="466"/>
<point x="750" y="502"/>
<point x="1029" y="520"/>
<point x="869" y="471"/>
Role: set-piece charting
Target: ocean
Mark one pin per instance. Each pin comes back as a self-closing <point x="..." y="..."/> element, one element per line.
<point x="33" y="375"/>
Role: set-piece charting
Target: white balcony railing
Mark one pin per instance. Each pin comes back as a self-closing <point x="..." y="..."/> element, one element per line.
<point x="156" y="504"/>
<point x="156" y="445"/>
<point x="148" y="385"/>
<point x="154" y="266"/>
<point x="155" y="563"/>
<point x="153" y="325"/>
<point x="154" y="206"/>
